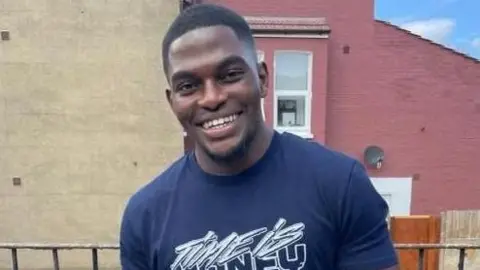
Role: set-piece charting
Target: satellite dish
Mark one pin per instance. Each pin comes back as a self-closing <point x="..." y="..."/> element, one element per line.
<point x="374" y="156"/>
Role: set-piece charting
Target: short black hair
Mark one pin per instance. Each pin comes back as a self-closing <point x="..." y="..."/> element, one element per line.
<point x="205" y="15"/>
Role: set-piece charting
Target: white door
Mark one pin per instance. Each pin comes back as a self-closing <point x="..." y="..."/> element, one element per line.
<point x="397" y="192"/>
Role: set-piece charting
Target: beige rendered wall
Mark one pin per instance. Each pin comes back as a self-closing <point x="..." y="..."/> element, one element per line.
<point x="83" y="120"/>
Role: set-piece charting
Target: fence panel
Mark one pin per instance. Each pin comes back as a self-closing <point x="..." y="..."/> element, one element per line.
<point x="460" y="226"/>
<point x="416" y="229"/>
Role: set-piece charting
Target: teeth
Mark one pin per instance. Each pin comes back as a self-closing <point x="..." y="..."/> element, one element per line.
<point x="220" y="122"/>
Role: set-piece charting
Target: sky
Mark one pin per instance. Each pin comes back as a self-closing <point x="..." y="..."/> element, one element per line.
<point x="453" y="23"/>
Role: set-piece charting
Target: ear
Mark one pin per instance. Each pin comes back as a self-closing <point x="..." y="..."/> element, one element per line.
<point x="264" y="78"/>
<point x="168" y="95"/>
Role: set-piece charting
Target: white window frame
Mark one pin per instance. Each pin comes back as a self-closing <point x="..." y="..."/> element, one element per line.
<point x="306" y="131"/>
<point x="261" y="58"/>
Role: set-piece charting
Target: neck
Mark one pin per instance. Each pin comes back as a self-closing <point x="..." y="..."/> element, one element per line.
<point x="257" y="149"/>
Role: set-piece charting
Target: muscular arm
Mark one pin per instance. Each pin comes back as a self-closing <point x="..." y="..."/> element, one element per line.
<point x="365" y="242"/>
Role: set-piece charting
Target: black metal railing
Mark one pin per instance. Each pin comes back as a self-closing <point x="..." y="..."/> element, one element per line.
<point x="54" y="248"/>
<point x="422" y="247"/>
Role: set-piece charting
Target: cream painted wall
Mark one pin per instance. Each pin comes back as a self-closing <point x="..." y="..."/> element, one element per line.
<point x="83" y="119"/>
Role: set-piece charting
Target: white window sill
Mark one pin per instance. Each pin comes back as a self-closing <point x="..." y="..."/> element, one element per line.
<point x="303" y="134"/>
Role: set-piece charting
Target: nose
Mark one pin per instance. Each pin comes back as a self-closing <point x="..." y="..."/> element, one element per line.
<point x="213" y="96"/>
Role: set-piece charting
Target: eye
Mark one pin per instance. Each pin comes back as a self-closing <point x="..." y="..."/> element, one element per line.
<point x="186" y="87"/>
<point x="231" y="75"/>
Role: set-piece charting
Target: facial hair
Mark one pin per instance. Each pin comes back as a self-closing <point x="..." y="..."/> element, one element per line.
<point x="236" y="153"/>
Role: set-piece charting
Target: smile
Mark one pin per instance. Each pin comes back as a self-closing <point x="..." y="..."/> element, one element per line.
<point x="220" y="122"/>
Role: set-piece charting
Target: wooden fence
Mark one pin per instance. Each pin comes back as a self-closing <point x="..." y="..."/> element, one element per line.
<point x="460" y="227"/>
<point x="455" y="228"/>
<point x="416" y="229"/>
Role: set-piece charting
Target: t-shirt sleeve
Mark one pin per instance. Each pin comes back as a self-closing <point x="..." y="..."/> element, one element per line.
<point x="132" y="251"/>
<point x="365" y="238"/>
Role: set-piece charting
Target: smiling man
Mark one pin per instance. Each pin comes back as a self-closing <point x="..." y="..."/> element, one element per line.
<point x="246" y="197"/>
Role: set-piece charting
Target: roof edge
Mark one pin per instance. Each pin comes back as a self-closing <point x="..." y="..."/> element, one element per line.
<point x="292" y="25"/>
<point x="450" y="50"/>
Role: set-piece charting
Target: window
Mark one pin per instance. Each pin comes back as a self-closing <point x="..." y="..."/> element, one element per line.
<point x="292" y="92"/>
<point x="261" y="58"/>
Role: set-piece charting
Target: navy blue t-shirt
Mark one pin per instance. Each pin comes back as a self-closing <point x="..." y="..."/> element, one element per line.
<point x="301" y="206"/>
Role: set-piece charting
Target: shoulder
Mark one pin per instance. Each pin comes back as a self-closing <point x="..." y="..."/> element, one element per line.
<point x="357" y="210"/>
<point x="141" y="212"/>
<point x="147" y="206"/>
<point x="157" y="190"/>
<point x="317" y="157"/>
<point x="329" y="171"/>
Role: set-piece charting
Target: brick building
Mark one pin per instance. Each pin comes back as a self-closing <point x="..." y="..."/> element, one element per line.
<point x="345" y="79"/>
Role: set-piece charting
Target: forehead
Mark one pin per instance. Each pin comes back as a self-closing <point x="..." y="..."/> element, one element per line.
<point x="203" y="48"/>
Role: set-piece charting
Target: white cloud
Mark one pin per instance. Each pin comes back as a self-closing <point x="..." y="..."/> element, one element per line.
<point x="436" y="30"/>
<point x="476" y="43"/>
<point x="401" y="20"/>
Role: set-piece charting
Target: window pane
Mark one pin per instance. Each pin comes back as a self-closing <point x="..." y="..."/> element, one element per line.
<point x="260" y="56"/>
<point x="263" y="108"/>
<point x="291" y="71"/>
<point x="291" y="111"/>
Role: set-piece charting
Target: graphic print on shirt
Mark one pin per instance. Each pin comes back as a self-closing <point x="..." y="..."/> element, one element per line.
<point x="278" y="248"/>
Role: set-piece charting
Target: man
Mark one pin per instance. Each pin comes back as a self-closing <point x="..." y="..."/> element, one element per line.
<point x="247" y="197"/>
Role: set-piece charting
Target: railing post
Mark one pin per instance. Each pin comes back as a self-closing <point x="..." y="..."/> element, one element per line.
<point x="14" y="259"/>
<point x="421" y="256"/>
<point x="56" y="264"/>
<point x="95" y="258"/>
<point x="461" y="259"/>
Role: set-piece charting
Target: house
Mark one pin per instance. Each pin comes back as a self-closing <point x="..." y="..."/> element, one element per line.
<point x="406" y="107"/>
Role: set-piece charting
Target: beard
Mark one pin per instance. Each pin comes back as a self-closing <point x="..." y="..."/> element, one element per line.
<point x="236" y="152"/>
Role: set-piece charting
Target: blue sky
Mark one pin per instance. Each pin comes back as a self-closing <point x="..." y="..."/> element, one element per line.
<point x="454" y="23"/>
